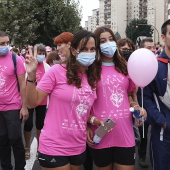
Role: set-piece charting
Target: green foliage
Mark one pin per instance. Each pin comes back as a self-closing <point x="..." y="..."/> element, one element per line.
<point x="117" y="35"/>
<point x="138" y="27"/>
<point x="35" y="21"/>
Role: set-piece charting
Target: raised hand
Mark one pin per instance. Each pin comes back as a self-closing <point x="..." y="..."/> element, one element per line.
<point x="31" y="61"/>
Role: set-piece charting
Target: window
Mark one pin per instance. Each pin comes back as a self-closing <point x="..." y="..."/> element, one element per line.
<point x="168" y="11"/>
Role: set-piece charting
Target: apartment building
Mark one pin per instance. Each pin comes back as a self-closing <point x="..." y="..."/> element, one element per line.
<point x="110" y="16"/>
<point x="93" y="21"/>
<point x="89" y="23"/>
<point x="117" y="14"/>
<point x="134" y="10"/>
<point x="168" y="8"/>
<point x="86" y="25"/>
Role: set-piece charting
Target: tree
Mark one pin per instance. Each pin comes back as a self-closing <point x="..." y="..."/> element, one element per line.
<point x="38" y="21"/>
<point x="137" y="28"/>
<point x="117" y="35"/>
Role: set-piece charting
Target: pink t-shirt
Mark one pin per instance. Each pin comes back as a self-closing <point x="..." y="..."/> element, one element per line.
<point x="22" y="58"/>
<point x="112" y="102"/>
<point x="64" y="131"/>
<point x="39" y="74"/>
<point x="10" y="98"/>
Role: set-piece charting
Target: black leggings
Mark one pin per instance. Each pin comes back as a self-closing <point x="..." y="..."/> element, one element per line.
<point x="40" y="116"/>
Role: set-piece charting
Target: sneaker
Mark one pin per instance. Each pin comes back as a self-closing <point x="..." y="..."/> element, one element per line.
<point x="142" y="162"/>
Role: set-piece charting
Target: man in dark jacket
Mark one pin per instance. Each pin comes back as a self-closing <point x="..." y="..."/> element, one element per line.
<point x="157" y="104"/>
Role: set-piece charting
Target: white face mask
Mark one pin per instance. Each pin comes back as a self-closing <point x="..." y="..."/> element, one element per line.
<point x="108" y="49"/>
<point x="40" y="58"/>
<point x="4" y="50"/>
<point x="86" y="59"/>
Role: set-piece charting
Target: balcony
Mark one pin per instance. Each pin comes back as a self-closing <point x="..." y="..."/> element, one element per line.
<point x="107" y="22"/>
<point x="107" y="1"/>
<point x="109" y="26"/>
<point x="107" y="5"/>
<point x="107" y="11"/>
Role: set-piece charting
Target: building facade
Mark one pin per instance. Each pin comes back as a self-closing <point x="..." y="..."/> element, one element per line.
<point x="117" y="14"/>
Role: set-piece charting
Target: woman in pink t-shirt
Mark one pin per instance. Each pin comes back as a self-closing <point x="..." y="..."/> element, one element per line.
<point x="71" y="89"/>
<point x="115" y="91"/>
<point x="63" y="41"/>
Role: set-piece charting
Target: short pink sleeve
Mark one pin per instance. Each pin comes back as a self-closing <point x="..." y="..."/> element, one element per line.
<point x="48" y="81"/>
<point x="132" y="86"/>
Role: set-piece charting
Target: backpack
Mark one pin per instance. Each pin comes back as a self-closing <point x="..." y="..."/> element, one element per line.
<point x="15" y="68"/>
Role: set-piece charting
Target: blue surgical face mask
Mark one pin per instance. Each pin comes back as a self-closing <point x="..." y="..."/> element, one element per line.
<point x="40" y="58"/>
<point x="108" y="49"/>
<point x="86" y="59"/>
<point x="4" y="50"/>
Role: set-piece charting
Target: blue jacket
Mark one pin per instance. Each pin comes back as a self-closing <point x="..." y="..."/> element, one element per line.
<point x="158" y="86"/>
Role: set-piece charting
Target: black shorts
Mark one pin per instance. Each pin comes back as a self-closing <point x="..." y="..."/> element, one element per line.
<point x="48" y="161"/>
<point x="40" y="112"/>
<point x="119" y="155"/>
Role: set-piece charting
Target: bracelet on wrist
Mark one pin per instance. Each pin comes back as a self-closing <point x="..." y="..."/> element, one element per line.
<point x="135" y="106"/>
<point x="92" y="120"/>
<point x="32" y="81"/>
<point x="133" y="102"/>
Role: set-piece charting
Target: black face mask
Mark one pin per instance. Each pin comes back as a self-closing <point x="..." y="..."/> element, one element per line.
<point x="126" y="54"/>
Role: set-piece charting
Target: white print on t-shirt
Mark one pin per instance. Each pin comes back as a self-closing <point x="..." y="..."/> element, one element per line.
<point x="121" y="114"/>
<point x="3" y="89"/>
<point x="83" y="106"/>
<point x="73" y="125"/>
<point x="116" y="95"/>
<point x="73" y="99"/>
<point x="83" y="95"/>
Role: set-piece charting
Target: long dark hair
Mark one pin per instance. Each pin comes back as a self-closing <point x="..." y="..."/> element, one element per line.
<point x="119" y="61"/>
<point x="80" y="39"/>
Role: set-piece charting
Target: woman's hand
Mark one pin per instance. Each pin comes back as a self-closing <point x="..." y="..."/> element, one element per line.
<point x="89" y="136"/>
<point x="138" y="122"/>
<point x="98" y="122"/>
<point x="143" y="113"/>
<point x="31" y="61"/>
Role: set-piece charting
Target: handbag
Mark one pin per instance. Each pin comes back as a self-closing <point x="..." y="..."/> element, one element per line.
<point x="136" y="133"/>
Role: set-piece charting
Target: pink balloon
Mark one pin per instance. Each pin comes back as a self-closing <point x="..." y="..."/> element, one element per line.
<point x="142" y="67"/>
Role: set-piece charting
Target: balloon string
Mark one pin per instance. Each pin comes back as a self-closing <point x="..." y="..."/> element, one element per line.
<point x="142" y="112"/>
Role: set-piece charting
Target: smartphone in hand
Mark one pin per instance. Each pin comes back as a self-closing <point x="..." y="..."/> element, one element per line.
<point x="102" y="130"/>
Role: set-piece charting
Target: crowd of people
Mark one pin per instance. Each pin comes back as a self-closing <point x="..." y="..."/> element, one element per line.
<point x="72" y="89"/>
